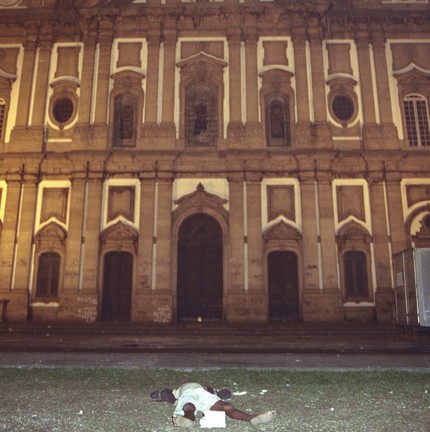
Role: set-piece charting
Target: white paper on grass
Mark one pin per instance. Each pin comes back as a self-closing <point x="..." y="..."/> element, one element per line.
<point x="213" y="419"/>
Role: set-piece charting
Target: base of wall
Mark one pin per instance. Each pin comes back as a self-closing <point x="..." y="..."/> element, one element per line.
<point x="385" y="306"/>
<point x="156" y="307"/>
<point x="16" y="309"/>
<point x="246" y="306"/>
<point x="360" y="314"/>
<point x="240" y="307"/>
<point x="322" y="306"/>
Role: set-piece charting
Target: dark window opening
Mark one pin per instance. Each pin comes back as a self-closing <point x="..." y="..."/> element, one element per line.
<point x="63" y="110"/>
<point x="126" y="124"/>
<point x="48" y="275"/>
<point x="124" y="121"/>
<point x="278" y="121"/>
<point x="201" y="115"/>
<point x="201" y="121"/>
<point x="427" y="221"/>
<point x="355" y="270"/>
<point x="343" y="107"/>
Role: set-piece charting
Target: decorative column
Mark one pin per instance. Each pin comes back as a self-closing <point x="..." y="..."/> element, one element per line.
<point x="234" y="39"/>
<point x="154" y="90"/>
<point x="327" y="305"/>
<point x="366" y="78"/>
<point x="255" y="297"/>
<point x="41" y="84"/>
<point x="321" y="130"/>
<point x="170" y="38"/>
<point x="29" y="73"/>
<point x="381" y="227"/>
<point x="252" y="106"/>
<point x="162" y="282"/>
<point x="253" y="135"/>
<point x="302" y="91"/>
<point x="103" y="80"/>
<point x="152" y="75"/>
<point x="309" y="192"/>
<point x="388" y="136"/>
<point x="235" y="289"/>
<point x="86" y="95"/>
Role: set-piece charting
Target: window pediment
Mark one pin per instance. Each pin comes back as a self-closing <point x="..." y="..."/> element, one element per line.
<point x="412" y="74"/>
<point x="354" y="233"/>
<point x="200" y="199"/>
<point x="119" y="232"/>
<point x="282" y="231"/>
<point x="52" y="233"/>
<point x="277" y="78"/>
<point x="128" y="75"/>
<point x="197" y="61"/>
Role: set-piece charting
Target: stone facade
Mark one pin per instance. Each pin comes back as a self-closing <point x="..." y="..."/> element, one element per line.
<point x="236" y="160"/>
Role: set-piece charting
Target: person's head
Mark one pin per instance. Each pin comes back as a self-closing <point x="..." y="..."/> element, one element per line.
<point x="164" y="395"/>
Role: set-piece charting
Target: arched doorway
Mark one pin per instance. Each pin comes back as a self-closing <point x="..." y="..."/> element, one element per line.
<point x="200" y="269"/>
<point x="117" y="284"/>
<point x="283" y="286"/>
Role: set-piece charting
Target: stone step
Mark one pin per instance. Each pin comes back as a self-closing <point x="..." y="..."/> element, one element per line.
<point x="213" y="329"/>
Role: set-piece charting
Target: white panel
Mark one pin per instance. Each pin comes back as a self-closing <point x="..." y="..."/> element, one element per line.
<point x="423" y="285"/>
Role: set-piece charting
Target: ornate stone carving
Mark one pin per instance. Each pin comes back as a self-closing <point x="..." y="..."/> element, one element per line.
<point x="352" y="234"/>
<point x="282" y="231"/>
<point x="201" y="201"/>
<point x="52" y="234"/>
<point x="119" y="233"/>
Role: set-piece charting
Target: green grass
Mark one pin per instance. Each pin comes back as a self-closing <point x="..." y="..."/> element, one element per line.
<point x="110" y="400"/>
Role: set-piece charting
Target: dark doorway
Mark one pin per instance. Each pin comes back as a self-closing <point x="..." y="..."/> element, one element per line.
<point x="283" y="286"/>
<point x="117" y="282"/>
<point x="200" y="269"/>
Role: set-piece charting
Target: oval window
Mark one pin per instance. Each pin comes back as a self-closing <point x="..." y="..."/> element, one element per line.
<point x="343" y="107"/>
<point x="63" y="110"/>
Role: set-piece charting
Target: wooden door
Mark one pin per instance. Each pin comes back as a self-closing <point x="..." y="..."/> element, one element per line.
<point x="117" y="284"/>
<point x="283" y="286"/>
<point x="200" y="269"/>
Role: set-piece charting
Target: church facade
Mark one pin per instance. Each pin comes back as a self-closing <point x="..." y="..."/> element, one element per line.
<point x="216" y="160"/>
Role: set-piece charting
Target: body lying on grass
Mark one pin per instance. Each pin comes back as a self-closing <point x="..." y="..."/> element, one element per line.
<point x="192" y="398"/>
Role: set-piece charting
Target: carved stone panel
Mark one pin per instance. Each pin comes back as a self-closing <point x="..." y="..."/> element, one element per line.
<point x="68" y="62"/>
<point x="213" y="48"/>
<point x="339" y="58"/>
<point x="405" y="54"/>
<point x="54" y="204"/>
<point x="8" y="60"/>
<point x="121" y="202"/>
<point x="350" y="202"/>
<point x="417" y="193"/>
<point x="275" y="52"/>
<point x="281" y="202"/>
<point x="129" y="54"/>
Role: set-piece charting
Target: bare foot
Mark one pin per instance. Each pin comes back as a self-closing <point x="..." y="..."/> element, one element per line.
<point x="263" y="418"/>
<point x="181" y="421"/>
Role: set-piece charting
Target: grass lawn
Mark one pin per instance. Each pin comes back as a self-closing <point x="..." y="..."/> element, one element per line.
<point x="110" y="400"/>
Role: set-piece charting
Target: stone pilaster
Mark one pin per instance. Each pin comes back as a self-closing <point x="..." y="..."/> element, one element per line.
<point x="234" y="39"/>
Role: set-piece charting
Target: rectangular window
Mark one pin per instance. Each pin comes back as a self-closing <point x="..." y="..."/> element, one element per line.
<point x="48" y="275"/>
<point x="125" y="121"/>
<point x="417" y="120"/>
<point x="355" y="270"/>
